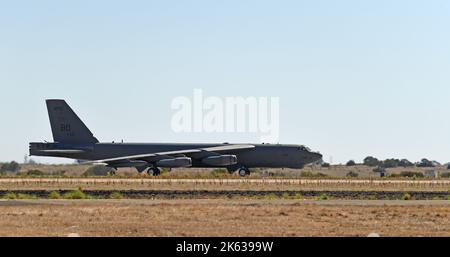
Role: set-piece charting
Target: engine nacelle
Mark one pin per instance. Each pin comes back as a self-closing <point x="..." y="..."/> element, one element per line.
<point x="220" y="160"/>
<point x="127" y="164"/>
<point x="175" y="162"/>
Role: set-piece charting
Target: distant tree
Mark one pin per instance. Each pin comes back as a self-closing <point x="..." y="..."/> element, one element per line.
<point x="371" y="161"/>
<point x="351" y="163"/>
<point x="405" y="163"/>
<point x="391" y="163"/>
<point x="325" y="165"/>
<point x="12" y="167"/>
<point x="448" y="166"/>
<point x="425" y="163"/>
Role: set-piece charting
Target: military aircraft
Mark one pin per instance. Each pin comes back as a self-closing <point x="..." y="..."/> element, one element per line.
<point x="72" y="139"/>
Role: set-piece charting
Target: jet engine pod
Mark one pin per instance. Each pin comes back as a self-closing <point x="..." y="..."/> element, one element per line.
<point x="126" y="164"/>
<point x="175" y="162"/>
<point x="220" y="160"/>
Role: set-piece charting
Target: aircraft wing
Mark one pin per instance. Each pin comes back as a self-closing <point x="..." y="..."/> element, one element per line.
<point x="193" y="153"/>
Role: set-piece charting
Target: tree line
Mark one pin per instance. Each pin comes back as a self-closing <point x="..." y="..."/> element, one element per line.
<point x="393" y="163"/>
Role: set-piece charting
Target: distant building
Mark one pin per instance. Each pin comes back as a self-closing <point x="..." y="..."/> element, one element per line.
<point x="432" y="174"/>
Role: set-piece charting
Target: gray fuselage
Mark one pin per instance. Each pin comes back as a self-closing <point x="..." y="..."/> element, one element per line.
<point x="262" y="156"/>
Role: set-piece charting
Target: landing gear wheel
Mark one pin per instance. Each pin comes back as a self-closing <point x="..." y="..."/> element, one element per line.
<point x="112" y="172"/>
<point x="243" y="172"/>
<point x="156" y="172"/>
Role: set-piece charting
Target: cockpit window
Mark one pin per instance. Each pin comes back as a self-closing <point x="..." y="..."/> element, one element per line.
<point x="303" y="148"/>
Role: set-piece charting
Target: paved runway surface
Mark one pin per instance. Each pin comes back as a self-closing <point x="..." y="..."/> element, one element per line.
<point x="224" y="181"/>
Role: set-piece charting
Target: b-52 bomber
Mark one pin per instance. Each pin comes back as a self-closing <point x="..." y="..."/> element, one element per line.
<point x="73" y="139"/>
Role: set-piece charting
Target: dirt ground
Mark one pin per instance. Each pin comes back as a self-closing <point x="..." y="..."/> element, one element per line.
<point x="223" y="218"/>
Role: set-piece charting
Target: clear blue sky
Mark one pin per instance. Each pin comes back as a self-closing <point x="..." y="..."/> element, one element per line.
<point x="355" y="78"/>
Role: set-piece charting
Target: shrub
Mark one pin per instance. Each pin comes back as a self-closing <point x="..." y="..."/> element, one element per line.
<point x="309" y="174"/>
<point x="323" y="197"/>
<point x="298" y="196"/>
<point x="35" y="173"/>
<point x="406" y="197"/>
<point x="54" y="195"/>
<point x="74" y="195"/>
<point x="445" y="175"/>
<point x="25" y="196"/>
<point x="286" y="195"/>
<point x="271" y="196"/>
<point x="116" y="195"/>
<point x="411" y="174"/>
<point x="98" y="170"/>
<point x="306" y="174"/>
<point x="373" y="197"/>
<point x="59" y="173"/>
<point x="10" y="196"/>
<point x="352" y="174"/>
<point x="219" y="172"/>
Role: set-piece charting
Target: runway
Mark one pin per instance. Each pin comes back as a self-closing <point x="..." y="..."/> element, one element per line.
<point x="152" y="181"/>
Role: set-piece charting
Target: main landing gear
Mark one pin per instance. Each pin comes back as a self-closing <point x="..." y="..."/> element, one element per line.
<point x="113" y="172"/>
<point x="154" y="171"/>
<point x="244" y="171"/>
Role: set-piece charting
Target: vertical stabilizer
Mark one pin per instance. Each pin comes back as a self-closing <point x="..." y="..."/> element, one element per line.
<point x="67" y="127"/>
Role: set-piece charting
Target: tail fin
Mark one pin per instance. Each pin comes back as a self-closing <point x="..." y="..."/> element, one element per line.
<point x="67" y="127"/>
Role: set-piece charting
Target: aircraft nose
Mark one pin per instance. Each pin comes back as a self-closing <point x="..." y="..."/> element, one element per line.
<point x="316" y="156"/>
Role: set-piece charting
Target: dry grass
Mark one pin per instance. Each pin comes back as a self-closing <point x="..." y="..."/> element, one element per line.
<point x="333" y="171"/>
<point x="226" y="184"/>
<point x="223" y="218"/>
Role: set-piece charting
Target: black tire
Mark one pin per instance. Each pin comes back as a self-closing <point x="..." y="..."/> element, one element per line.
<point x="243" y="172"/>
<point x="156" y="172"/>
